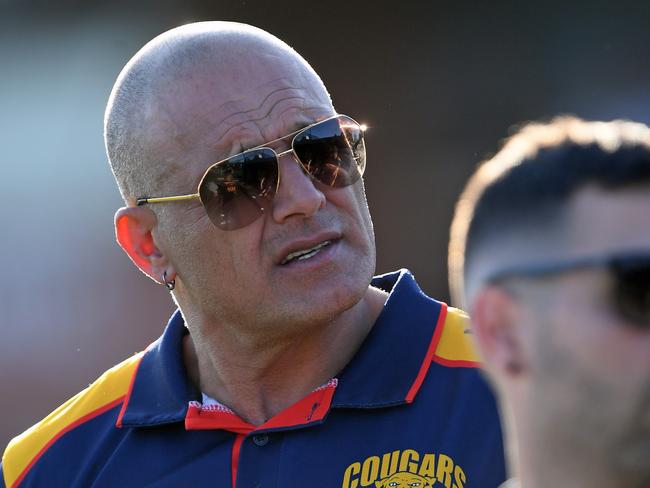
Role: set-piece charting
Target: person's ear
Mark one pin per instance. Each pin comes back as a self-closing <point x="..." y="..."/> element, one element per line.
<point x="496" y="321"/>
<point x="133" y="231"/>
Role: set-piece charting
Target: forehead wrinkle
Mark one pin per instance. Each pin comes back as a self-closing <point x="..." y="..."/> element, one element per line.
<point x="253" y="120"/>
<point x="263" y="110"/>
<point x="262" y="103"/>
<point x="249" y="128"/>
<point x="302" y="120"/>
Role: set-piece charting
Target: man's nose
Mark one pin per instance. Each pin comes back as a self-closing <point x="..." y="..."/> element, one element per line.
<point x="297" y="194"/>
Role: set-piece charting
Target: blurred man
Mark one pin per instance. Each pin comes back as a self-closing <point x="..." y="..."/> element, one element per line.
<point x="285" y="366"/>
<point x="550" y="250"/>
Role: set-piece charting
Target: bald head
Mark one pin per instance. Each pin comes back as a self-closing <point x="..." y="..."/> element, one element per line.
<point x="186" y="89"/>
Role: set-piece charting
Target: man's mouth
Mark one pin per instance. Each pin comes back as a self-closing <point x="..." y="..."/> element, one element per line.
<point x="305" y="253"/>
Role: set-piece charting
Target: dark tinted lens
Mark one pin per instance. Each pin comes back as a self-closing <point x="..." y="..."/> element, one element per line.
<point x="236" y="192"/>
<point x="633" y="290"/>
<point x="333" y="151"/>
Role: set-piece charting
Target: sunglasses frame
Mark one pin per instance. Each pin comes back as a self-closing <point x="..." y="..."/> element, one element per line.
<point x="616" y="263"/>
<point x="197" y="196"/>
<point x="538" y="270"/>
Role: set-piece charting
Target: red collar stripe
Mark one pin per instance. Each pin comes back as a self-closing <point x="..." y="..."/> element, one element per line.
<point x="440" y="324"/>
<point x="118" y="424"/>
<point x="236" y="449"/>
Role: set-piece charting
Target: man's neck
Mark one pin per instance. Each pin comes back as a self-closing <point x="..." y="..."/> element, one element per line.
<point x="258" y="377"/>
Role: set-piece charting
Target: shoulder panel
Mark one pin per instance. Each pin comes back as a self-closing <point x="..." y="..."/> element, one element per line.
<point x="456" y="346"/>
<point x="102" y="395"/>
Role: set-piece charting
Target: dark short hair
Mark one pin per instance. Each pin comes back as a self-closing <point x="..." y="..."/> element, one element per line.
<point x="529" y="181"/>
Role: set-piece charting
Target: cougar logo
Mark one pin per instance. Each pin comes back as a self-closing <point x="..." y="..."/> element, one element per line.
<point x="405" y="479"/>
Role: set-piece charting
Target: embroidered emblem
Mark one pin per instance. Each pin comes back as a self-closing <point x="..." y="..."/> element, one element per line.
<point x="405" y="480"/>
<point x="406" y="468"/>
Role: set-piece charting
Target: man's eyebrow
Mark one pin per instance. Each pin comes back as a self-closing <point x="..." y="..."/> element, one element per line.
<point x="294" y="128"/>
<point x="298" y="127"/>
<point x="237" y="126"/>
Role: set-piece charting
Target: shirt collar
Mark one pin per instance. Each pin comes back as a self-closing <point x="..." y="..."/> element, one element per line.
<point x="387" y="370"/>
<point x="161" y="390"/>
<point x="391" y="363"/>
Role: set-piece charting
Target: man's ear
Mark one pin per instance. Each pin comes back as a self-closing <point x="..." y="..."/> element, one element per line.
<point x="133" y="231"/>
<point x="496" y="321"/>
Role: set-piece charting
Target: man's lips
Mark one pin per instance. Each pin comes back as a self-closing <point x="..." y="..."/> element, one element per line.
<point x="306" y="248"/>
<point x="305" y="254"/>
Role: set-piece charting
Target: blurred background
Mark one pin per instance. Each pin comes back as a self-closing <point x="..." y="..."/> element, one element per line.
<point x="439" y="83"/>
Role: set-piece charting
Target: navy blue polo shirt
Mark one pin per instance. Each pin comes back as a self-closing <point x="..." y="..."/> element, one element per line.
<point x="410" y="407"/>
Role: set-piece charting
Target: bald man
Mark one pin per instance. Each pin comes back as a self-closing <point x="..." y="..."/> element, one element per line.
<point x="287" y="364"/>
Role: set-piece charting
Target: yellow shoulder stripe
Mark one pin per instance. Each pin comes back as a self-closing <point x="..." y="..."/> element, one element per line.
<point x="456" y="346"/>
<point x="109" y="388"/>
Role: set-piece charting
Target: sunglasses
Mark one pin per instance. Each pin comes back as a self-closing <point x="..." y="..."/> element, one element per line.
<point x="630" y="273"/>
<point x="236" y="191"/>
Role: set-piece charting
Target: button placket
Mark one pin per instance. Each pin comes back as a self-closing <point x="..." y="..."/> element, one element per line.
<point x="260" y="439"/>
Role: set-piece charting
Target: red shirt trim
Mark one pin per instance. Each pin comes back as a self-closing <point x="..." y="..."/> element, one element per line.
<point x="312" y="408"/>
<point x="127" y="397"/>
<point x="456" y="363"/>
<point x="429" y="355"/>
<point x="236" y="449"/>
<point x="68" y="428"/>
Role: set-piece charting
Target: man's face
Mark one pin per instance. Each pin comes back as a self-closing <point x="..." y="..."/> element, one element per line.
<point x="237" y="276"/>
<point x="588" y="367"/>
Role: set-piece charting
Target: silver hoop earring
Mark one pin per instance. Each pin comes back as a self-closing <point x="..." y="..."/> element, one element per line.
<point x="171" y="284"/>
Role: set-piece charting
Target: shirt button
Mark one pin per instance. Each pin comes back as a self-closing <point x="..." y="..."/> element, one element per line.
<point x="261" y="439"/>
